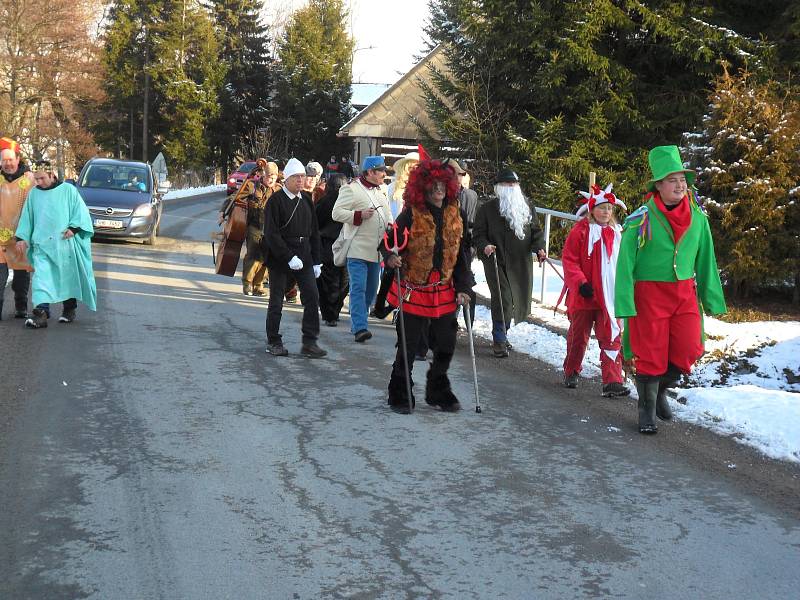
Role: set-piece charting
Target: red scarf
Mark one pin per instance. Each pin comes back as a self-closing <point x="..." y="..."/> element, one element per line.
<point x="367" y="184"/>
<point x="607" y="235"/>
<point x="679" y="218"/>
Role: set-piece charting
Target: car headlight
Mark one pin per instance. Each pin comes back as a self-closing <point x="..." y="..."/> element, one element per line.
<point x="145" y="210"/>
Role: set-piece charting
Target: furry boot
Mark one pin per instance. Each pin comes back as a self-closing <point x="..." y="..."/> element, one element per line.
<point x="647" y="387"/>
<point x="398" y="395"/>
<point x="439" y="393"/>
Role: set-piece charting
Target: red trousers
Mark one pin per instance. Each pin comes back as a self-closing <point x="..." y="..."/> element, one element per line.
<point x="666" y="328"/>
<point x="580" y="327"/>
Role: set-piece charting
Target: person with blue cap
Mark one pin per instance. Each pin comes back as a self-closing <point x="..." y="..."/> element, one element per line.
<point x="363" y="207"/>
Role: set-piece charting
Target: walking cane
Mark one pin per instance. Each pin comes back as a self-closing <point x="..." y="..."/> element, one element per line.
<point x="472" y="355"/>
<point x="550" y="262"/>
<point x="396" y="249"/>
<point x="499" y="293"/>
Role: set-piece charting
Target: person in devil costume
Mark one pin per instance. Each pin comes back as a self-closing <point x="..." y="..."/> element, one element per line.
<point x="435" y="278"/>
<point x="590" y="263"/>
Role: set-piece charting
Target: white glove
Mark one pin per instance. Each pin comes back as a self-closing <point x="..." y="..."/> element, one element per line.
<point x="317" y="271"/>
<point x="295" y="264"/>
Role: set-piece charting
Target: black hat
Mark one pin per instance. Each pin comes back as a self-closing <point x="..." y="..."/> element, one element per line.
<point x="506" y="175"/>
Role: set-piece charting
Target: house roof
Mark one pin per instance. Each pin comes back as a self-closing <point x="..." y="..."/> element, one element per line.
<point x="390" y="115"/>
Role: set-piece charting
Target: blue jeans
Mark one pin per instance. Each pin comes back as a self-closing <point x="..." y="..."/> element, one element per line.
<point x="499" y="331"/>
<point x="364" y="278"/>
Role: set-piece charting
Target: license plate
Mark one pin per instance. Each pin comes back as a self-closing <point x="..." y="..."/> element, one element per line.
<point x="108" y="224"/>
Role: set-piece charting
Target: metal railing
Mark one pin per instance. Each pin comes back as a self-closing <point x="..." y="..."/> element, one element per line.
<point x="548" y="217"/>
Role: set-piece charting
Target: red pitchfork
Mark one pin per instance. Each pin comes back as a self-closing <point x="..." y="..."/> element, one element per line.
<point x="396" y="248"/>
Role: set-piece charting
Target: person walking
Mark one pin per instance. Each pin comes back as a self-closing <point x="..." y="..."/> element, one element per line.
<point x="667" y="276"/>
<point x="590" y="263"/>
<point x="333" y="284"/>
<point x="258" y="192"/>
<point x="17" y="181"/>
<point x="435" y="278"/>
<point x="364" y="209"/>
<point x="291" y="245"/>
<point x="506" y="233"/>
<point x="55" y="230"/>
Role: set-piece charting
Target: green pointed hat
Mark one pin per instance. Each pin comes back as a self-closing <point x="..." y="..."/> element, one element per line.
<point x="664" y="161"/>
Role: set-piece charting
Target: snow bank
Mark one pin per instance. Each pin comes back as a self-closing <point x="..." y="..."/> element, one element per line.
<point x="747" y="385"/>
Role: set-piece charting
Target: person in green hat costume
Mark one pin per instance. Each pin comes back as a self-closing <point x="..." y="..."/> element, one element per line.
<point x="667" y="277"/>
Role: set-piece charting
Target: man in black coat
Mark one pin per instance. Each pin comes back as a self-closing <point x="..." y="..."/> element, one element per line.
<point x="292" y="246"/>
<point x="506" y="227"/>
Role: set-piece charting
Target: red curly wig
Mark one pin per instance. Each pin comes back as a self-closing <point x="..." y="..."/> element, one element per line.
<point x="422" y="178"/>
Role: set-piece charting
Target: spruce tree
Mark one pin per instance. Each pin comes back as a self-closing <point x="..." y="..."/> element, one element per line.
<point x="186" y="74"/>
<point x="746" y="158"/>
<point x="313" y="81"/>
<point x="574" y="86"/>
<point x="245" y="93"/>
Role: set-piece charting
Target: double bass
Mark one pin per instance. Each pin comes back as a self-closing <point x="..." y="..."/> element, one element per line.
<point x="234" y="230"/>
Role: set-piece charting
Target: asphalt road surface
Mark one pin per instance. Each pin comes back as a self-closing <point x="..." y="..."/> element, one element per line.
<point x="152" y="450"/>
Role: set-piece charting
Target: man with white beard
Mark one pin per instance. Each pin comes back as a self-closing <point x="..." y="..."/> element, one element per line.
<point x="506" y="226"/>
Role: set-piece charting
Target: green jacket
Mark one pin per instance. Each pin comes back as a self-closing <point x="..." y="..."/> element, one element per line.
<point x="654" y="256"/>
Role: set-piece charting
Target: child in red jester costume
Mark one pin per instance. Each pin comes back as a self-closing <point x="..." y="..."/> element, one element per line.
<point x="667" y="277"/>
<point x="590" y="263"/>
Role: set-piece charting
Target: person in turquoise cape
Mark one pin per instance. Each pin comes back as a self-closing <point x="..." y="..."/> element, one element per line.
<point x="666" y="278"/>
<point x="55" y="229"/>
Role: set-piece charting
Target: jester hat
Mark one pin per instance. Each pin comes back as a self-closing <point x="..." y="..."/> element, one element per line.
<point x="595" y="196"/>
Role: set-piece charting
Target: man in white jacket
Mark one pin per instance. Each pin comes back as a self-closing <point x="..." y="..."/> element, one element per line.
<point x="364" y="209"/>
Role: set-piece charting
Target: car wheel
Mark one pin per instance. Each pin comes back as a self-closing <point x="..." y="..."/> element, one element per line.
<point x="150" y="240"/>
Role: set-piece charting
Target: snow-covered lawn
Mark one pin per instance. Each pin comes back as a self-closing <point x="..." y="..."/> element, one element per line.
<point x="747" y="385"/>
<point x="184" y="193"/>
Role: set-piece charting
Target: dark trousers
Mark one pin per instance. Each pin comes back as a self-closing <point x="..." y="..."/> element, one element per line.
<point x="309" y="296"/>
<point x="333" y="286"/>
<point x="20" y="286"/>
<point x="68" y="304"/>
<point x="442" y="337"/>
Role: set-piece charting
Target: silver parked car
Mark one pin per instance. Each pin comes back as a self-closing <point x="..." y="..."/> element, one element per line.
<point x="123" y="198"/>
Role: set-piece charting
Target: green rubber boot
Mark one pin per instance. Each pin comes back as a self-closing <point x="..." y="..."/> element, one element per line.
<point x="668" y="380"/>
<point x="647" y="387"/>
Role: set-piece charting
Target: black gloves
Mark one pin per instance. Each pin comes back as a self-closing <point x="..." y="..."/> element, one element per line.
<point x="586" y="290"/>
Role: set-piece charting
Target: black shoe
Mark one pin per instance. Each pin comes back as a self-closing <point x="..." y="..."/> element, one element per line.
<point x="331" y="323"/>
<point x="68" y="316"/>
<point x="20" y="314"/>
<point x="612" y="390"/>
<point x="421" y="357"/>
<point x="381" y="313"/>
<point x="571" y="381"/>
<point x="362" y="336"/>
<point x="292" y="299"/>
<point x="247" y="290"/>
<point x="312" y="351"/>
<point x="258" y="292"/>
<point x="38" y="320"/>
<point x="277" y="350"/>
<point x="500" y="350"/>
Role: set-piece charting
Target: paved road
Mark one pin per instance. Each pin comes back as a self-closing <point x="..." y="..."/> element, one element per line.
<point x="153" y="450"/>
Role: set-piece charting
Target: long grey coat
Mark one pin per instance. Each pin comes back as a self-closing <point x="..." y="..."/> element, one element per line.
<point x="513" y="258"/>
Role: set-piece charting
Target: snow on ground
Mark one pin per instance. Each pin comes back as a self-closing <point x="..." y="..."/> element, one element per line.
<point x="184" y="193"/>
<point x="747" y="385"/>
